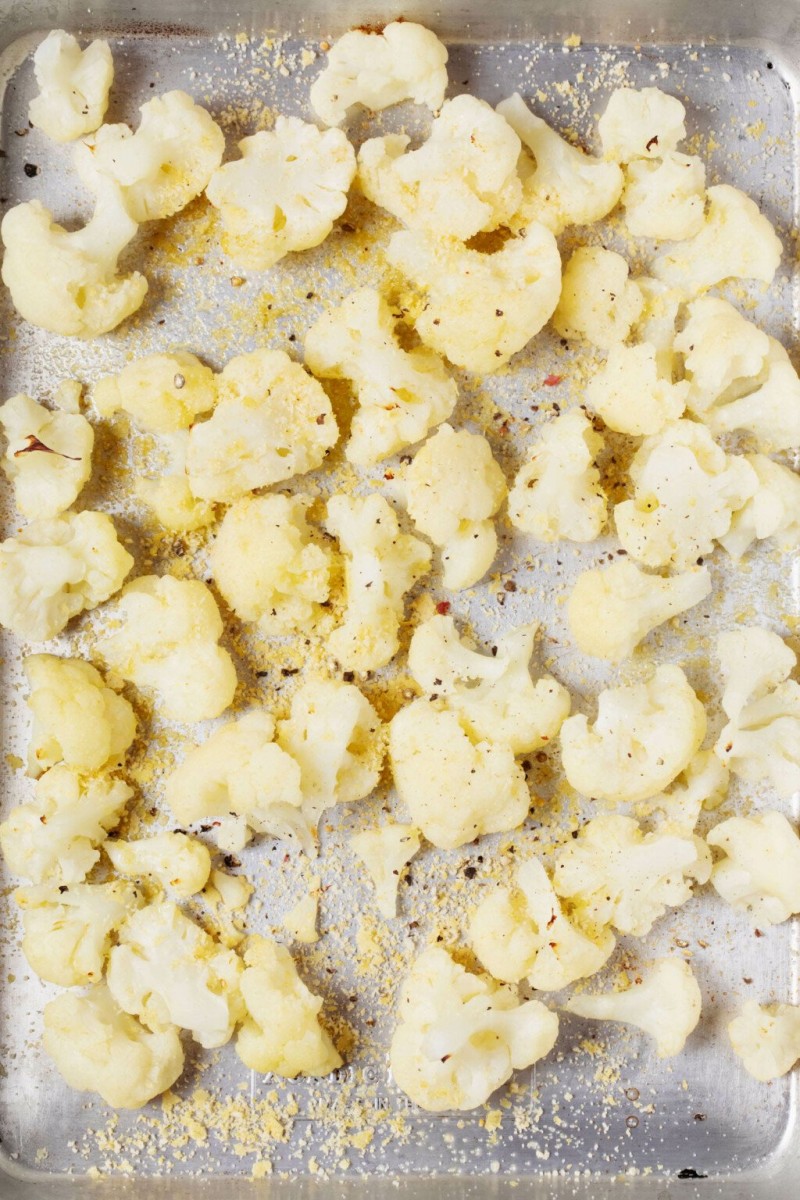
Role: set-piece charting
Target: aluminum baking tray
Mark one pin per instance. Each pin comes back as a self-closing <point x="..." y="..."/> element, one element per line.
<point x="601" y="1117"/>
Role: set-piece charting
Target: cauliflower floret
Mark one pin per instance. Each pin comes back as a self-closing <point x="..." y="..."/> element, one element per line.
<point x="665" y="199"/>
<point x="719" y="347"/>
<point x="686" y="492"/>
<point x="401" y="394"/>
<point x="493" y="694"/>
<point x="454" y="787"/>
<point x="665" y="1005"/>
<point x="656" y="324"/>
<point x="55" y="569"/>
<point x="386" y="852"/>
<point x="460" y="1036"/>
<point x="57" y="834"/>
<point x="703" y="784"/>
<point x="285" y="192"/>
<point x="753" y="661"/>
<point x="162" y="393"/>
<point x="378" y="68"/>
<point x="381" y="565"/>
<point x="272" y="421"/>
<point x="773" y="512"/>
<point x="98" y="1048"/>
<point x="632" y="395"/>
<point x="267" y="567"/>
<point x="281" y="1033"/>
<point x="163" y="165"/>
<point x="65" y="282"/>
<point x="336" y="738"/>
<point x="481" y="308"/>
<point x="524" y="933"/>
<point x="611" y="609"/>
<point x="73" y="86"/>
<point x="561" y="185"/>
<point x="167" y="641"/>
<point x="68" y="928"/>
<point x="173" y="859"/>
<point x="736" y="241"/>
<point x="77" y="718"/>
<point x="169" y="495"/>
<point x="462" y="180"/>
<point x="598" y="303"/>
<point x="641" y="124"/>
<point x="453" y="489"/>
<point x="766" y="1037"/>
<point x="766" y="406"/>
<point x="557" y="493"/>
<point x="760" y="874"/>
<point x="48" y="458"/>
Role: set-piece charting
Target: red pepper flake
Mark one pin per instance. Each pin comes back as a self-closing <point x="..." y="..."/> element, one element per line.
<point x="443" y="608"/>
<point x="552" y="380"/>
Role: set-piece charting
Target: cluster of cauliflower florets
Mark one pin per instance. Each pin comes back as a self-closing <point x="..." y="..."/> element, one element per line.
<point x="681" y="370"/>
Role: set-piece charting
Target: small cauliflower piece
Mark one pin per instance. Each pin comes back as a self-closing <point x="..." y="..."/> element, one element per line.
<point x="77" y="718"/>
<point x="632" y="395"/>
<point x="702" y="785"/>
<point x="656" y="324"/>
<point x="168" y="642"/>
<point x="456" y="788"/>
<point x="760" y="874"/>
<point x="665" y="1005"/>
<point x="266" y="566"/>
<point x="402" y="394"/>
<point x="386" y="852"/>
<point x="765" y="406"/>
<point x="281" y="1033"/>
<point x="665" y="198"/>
<point x="73" y="86"/>
<point x="300" y="921"/>
<point x="720" y="348"/>
<point x="55" y="837"/>
<point x="766" y="1037"/>
<point x="381" y="565"/>
<point x="481" y="308"/>
<point x="175" y="860"/>
<point x="379" y="68"/>
<point x="162" y="393"/>
<point x="285" y="192"/>
<point x="453" y="488"/>
<point x="753" y="661"/>
<point x="48" y="456"/>
<point x="599" y="303"/>
<point x="493" y="694"/>
<point x="460" y="1036"/>
<point x="169" y="496"/>
<point x="161" y="167"/>
<point x="53" y="570"/>
<point x="98" y="1048"/>
<point x="611" y="609"/>
<point x="773" y="513"/>
<point x="641" y="124"/>
<point x="557" y="493"/>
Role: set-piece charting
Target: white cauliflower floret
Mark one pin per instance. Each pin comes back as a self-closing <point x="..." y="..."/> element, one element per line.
<point x="162" y="393"/>
<point x="760" y="874"/>
<point x="402" y="394"/>
<point x="57" y="834"/>
<point x="665" y="1005"/>
<point x="462" y="180"/>
<point x="766" y="1037"/>
<point x="686" y="490"/>
<point x="285" y="192"/>
<point x="386" y="852"/>
<point x="48" y="456"/>
<point x="703" y="784"/>
<point x="55" y="569"/>
<point x="281" y="1033"/>
<point x="454" y="787"/>
<point x="381" y="565"/>
<point x="641" y="124"/>
<point x="73" y="86"/>
<point x="523" y="933"/>
<point x="561" y="185"/>
<point x="493" y="694"/>
<point x="772" y="513"/>
<point x="173" y="859"/>
<point x="460" y="1036"/>
<point x="68" y="929"/>
<point x="65" y="282"/>
<point x="632" y="395"/>
<point x="272" y="421"/>
<point x="167" y="641"/>
<point x="644" y="735"/>
<point x="453" y="489"/>
<point x="378" y="68"/>
<point x="163" y="165"/>
<point x="753" y="661"/>
<point x="169" y="495"/>
<point x="736" y="241"/>
<point x="766" y="406"/>
<point x="481" y="308"/>
<point x="77" y="718"/>
<point x="598" y="303"/>
<point x="665" y="199"/>
<point x="98" y="1048"/>
<point x="557" y="493"/>
<point x="266" y="566"/>
<point x="336" y="738"/>
<point x="611" y="609"/>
